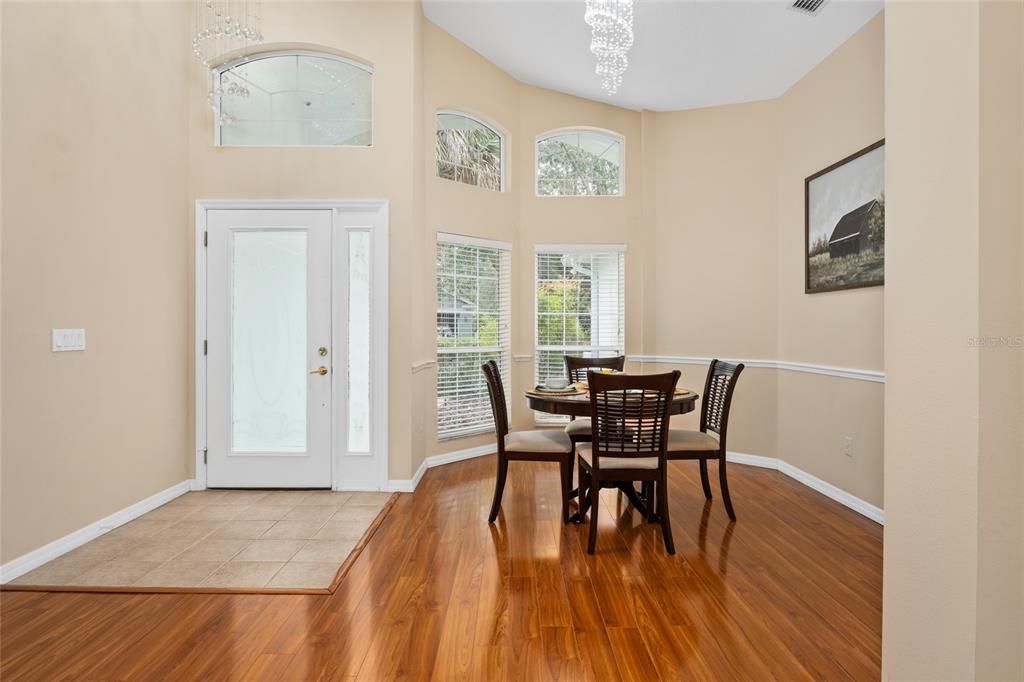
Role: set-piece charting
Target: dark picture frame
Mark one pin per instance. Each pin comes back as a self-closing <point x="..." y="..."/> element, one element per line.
<point x="860" y="259"/>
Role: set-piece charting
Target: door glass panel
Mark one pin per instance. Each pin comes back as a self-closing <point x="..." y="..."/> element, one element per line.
<point x="358" y="341"/>
<point x="268" y="337"/>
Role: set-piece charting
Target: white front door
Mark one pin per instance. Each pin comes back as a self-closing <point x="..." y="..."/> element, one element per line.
<point x="269" y="348"/>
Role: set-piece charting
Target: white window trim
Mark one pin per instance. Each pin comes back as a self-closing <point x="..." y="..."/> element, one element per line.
<point x="467" y="240"/>
<point x="540" y="418"/>
<point x="570" y="129"/>
<point x="502" y="134"/>
<point x="216" y="71"/>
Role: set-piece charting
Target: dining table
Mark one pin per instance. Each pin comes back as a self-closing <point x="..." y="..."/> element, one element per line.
<point x="575" y="402"/>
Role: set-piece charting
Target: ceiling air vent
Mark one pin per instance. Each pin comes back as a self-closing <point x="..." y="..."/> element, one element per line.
<point x="808" y="6"/>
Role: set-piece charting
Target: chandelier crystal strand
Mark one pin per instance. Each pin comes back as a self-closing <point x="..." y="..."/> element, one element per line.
<point x="223" y="27"/>
<point x="611" y="28"/>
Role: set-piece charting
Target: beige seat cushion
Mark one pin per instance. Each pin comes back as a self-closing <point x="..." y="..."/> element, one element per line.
<point x="691" y="441"/>
<point x="586" y="451"/>
<point x="579" y="427"/>
<point x="538" y="441"/>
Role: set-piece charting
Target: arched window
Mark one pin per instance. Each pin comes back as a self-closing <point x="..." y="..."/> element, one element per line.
<point x="469" y="151"/>
<point x="581" y="162"/>
<point x="293" y="98"/>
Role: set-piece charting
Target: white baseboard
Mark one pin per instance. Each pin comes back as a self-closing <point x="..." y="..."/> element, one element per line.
<point x="37" y="557"/>
<point x="824" y="487"/>
<point x="409" y="485"/>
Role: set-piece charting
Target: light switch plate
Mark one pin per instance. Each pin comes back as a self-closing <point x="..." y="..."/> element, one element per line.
<point x="68" y="340"/>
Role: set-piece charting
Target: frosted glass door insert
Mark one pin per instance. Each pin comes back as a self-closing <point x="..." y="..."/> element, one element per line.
<point x="268" y="358"/>
<point x="269" y="362"/>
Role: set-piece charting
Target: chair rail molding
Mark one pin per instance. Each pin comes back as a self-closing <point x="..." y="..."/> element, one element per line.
<point x="870" y="375"/>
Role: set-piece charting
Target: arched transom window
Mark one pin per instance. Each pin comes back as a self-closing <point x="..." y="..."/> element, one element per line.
<point x="580" y="162"/>
<point x="293" y="98"/>
<point x="469" y="151"/>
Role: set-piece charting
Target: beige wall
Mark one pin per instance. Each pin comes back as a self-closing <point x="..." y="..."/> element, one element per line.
<point x="728" y="224"/>
<point x="714" y="181"/>
<point x="95" y="213"/>
<point x="952" y="592"/>
<point x="835" y="110"/>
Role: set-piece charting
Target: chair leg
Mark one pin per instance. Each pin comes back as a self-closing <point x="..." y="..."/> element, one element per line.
<point x="595" y="492"/>
<point x="666" y="524"/>
<point x="566" y="472"/>
<point x="705" y="483"/>
<point x="723" y="483"/>
<point x="499" y="488"/>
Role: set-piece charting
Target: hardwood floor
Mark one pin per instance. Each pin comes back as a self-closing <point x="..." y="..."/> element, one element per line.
<point x="791" y="591"/>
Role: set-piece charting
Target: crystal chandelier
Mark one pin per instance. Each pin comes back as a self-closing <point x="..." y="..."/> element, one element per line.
<point x="611" y="27"/>
<point x="223" y="27"/>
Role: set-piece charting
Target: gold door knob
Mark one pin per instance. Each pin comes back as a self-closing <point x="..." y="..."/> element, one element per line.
<point x="321" y="370"/>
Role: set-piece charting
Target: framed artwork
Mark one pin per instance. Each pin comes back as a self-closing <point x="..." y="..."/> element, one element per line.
<point x="844" y="223"/>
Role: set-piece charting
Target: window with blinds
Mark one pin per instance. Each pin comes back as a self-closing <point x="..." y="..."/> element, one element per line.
<point x="580" y="299"/>
<point x="473" y="311"/>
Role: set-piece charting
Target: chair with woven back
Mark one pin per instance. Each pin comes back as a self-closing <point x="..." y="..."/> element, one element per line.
<point x="576" y="369"/>
<point x="714" y="419"/>
<point x="630" y="433"/>
<point x="549" y="445"/>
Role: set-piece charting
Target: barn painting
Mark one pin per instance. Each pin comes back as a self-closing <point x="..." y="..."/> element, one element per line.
<point x="844" y="219"/>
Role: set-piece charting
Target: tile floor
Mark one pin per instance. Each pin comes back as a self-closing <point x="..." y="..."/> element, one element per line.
<point x="223" y="539"/>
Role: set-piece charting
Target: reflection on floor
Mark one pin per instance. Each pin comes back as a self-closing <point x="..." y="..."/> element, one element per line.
<point x="230" y="539"/>
<point x="790" y="591"/>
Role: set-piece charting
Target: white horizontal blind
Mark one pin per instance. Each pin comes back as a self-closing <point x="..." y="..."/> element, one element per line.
<point x="580" y="301"/>
<point x="473" y="312"/>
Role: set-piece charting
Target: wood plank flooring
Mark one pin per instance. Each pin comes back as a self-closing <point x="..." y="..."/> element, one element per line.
<point x="791" y="591"/>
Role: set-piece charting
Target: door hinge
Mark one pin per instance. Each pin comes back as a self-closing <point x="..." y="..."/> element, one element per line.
<point x="204" y="455"/>
<point x="204" y="346"/>
<point x="206" y="238"/>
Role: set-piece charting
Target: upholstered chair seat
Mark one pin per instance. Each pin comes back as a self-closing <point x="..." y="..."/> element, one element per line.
<point x="680" y="440"/>
<point x="538" y="441"/>
<point x="586" y="451"/>
<point x="578" y="427"/>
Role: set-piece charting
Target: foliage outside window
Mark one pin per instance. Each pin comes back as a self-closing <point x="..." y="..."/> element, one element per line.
<point x="468" y="151"/>
<point x="579" y="163"/>
<point x="293" y="98"/>
<point x="580" y="299"/>
<point x="473" y="311"/>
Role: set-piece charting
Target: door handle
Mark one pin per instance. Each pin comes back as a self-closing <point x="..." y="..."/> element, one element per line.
<point x="321" y="370"/>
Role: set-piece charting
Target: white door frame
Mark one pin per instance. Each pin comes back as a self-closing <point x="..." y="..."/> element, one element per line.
<point x="372" y="468"/>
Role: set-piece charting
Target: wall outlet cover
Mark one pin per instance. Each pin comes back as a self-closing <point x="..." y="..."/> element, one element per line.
<point x="68" y="340"/>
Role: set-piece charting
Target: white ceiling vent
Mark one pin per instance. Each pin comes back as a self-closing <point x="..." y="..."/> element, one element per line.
<point x="807" y="6"/>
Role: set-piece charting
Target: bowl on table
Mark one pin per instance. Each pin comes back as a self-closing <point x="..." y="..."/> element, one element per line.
<point x="556" y="383"/>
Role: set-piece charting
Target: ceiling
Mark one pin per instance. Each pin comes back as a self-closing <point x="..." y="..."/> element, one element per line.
<point x="686" y="54"/>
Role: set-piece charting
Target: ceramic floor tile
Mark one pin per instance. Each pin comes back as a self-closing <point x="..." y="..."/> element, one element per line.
<point x="190" y="529"/>
<point x="242" y="498"/>
<point x="171" y="512"/>
<point x="105" y="547"/>
<point x="157" y="549"/>
<point x="324" y="551"/>
<point x="140" y="528"/>
<point x="242" y="529"/>
<point x="269" y="550"/>
<point x="368" y="499"/>
<point x="216" y="512"/>
<point x="243" y="574"/>
<point x="263" y="512"/>
<point x="117" y="572"/>
<point x="65" y="570"/>
<point x="289" y="497"/>
<point x="365" y="514"/>
<point x="310" y="513"/>
<point x="339" y="528"/>
<point x="293" y="530"/>
<point x="314" y="575"/>
<point x="213" y="549"/>
<point x="179" y="574"/>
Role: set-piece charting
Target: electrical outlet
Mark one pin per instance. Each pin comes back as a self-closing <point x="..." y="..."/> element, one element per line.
<point x="848" y="446"/>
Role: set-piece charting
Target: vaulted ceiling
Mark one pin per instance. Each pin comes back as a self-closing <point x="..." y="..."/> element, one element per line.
<point x="687" y="54"/>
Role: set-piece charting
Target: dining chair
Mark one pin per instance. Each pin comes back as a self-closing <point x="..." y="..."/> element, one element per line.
<point x="631" y="418"/>
<point x="531" y="446"/>
<point x="714" y="419"/>
<point x="576" y="369"/>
